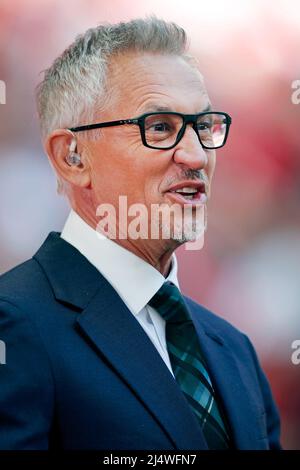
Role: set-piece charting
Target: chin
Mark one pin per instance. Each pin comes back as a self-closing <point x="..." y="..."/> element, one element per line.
<point x="181" y="233"/>
<point x="188" y="234"/>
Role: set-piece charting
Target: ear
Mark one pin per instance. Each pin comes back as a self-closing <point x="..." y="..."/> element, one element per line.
<point x="58" y="145"/>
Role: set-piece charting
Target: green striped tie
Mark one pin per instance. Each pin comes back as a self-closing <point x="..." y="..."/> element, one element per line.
<point x="188" y="365"/>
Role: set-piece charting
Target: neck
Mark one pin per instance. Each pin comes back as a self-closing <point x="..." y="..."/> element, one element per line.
<point x="158" y="253"/>
<point x="153" y="253"/>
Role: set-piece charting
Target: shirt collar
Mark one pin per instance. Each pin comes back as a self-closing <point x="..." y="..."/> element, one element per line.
<point x="135" y="280"/>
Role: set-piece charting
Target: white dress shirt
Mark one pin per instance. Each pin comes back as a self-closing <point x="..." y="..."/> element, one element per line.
<point x="135" y="280"/>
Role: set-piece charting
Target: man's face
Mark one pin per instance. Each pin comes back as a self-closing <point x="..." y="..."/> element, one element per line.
<point x="121" y="164"/>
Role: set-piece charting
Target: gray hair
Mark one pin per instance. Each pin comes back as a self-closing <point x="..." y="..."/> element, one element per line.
<point x="74" y="88"/>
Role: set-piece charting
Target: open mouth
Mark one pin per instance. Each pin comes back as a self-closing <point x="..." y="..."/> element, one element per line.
<point x="189" y="192"/>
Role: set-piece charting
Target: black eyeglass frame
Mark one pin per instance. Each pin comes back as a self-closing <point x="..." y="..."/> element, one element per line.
<point x="140" y="121"/>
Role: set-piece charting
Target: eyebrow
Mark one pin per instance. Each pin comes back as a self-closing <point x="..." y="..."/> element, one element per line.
<point x="154" y="108"/>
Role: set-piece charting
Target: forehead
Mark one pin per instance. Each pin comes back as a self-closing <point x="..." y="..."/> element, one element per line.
<point x="142" y="83"/>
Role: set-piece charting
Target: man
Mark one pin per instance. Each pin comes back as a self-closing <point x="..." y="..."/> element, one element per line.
<point x="102" y="349"/>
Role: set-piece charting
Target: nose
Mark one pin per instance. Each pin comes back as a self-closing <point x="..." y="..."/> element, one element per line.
<point x="189" y="151"/>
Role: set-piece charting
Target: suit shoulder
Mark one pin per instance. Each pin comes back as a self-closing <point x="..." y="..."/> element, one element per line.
<point x="24" y="281"/>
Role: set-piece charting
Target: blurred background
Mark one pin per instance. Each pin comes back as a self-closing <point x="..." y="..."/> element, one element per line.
<point x="249" y="53"/>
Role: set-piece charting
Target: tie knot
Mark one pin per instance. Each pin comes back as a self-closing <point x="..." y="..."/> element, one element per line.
<point x="170" y="304"/>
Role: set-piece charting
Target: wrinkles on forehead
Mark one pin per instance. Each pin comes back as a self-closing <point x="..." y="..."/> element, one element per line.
<point x="153" y="107"/>
<point x="141" y="82"/>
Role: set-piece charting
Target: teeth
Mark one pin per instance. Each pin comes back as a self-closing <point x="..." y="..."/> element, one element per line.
<point x="186" y="190"/>
<point x="189" y="196"/>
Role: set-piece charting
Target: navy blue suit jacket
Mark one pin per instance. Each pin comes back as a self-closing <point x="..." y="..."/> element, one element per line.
<point x="81" y="373"/>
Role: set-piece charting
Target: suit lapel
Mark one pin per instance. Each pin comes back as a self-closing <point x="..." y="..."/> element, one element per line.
<point x="117" y="335"/>
<point x="231" y="381"/>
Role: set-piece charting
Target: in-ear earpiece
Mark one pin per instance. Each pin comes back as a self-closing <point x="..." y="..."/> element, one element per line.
<point x="73" y="158"/>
